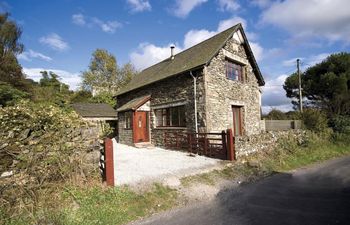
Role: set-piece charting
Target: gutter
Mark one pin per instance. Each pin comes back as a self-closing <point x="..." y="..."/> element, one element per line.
<point x="195" y="100"/>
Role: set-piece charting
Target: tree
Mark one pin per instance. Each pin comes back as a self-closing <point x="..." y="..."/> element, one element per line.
<point x="50" y="89"/>
<point x="10" y="70"/>
<point x="325" y="86"/>
<point x="104" y="75"/>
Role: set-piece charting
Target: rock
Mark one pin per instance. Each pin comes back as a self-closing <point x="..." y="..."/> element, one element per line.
<point x="254" y="163"/>
<point x="24" y="134"/>
<point x="7" y="174"/>
<point x="3" y="146"/>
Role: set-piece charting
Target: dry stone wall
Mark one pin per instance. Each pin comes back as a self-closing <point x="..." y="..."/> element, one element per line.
<point x="265" y="141"/>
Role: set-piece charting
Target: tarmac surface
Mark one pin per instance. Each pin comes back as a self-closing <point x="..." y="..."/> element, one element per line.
<point x="316" y="195"/>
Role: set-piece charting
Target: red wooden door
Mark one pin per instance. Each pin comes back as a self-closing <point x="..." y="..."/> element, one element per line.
<point x="141" y="127"/>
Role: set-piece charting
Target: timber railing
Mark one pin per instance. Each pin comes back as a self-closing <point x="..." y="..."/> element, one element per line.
<point x="214" y="145"/>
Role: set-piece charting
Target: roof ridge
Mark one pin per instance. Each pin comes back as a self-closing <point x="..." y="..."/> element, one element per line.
<point x="187" y="49"/>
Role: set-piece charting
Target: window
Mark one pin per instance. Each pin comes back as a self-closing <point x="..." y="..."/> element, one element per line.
<point x="171" y="117"/>
<point x="128" y="123"/>
<point x="234" y="71"/>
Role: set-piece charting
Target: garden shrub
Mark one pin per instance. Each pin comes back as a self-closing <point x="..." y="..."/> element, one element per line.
<point x="315" y="120"/>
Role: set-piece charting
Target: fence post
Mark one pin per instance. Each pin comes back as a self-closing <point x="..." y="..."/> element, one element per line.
<point x="205" y="145"/>
<point x="230" y="146"/>
<point x="109" y="162"/>
<point x="224" y="144"/>
<point x="189" y="140"/>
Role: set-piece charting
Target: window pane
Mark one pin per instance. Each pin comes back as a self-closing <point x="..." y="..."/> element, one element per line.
<point x="159" y="118"/>
<point x="174" y="116"/>
<point x="182" y="116"/>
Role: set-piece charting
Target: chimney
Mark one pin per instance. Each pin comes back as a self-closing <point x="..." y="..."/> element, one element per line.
<point x="172" y="52"/>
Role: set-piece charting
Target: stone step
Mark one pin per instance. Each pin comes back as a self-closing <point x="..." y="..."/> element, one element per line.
<point x="144" y="145"/>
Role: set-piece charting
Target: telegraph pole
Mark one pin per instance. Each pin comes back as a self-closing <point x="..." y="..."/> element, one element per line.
<point x="300" y="93"/>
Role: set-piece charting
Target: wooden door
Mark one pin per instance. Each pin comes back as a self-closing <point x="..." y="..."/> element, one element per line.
<point x="237" y="120"/>
<point x="141" y="127"/>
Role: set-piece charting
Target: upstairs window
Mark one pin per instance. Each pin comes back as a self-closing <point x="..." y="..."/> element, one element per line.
<point x="234" y="71"/>
<point x="171" y="117"/>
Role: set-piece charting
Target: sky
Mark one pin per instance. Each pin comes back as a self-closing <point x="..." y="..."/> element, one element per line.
<point x="60" y="35"/>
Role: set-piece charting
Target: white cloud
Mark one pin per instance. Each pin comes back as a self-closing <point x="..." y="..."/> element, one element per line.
<point x="72" y="79"/>
<point x="139" y="5"/>
<point x="228" y="5"/>
<point x="184" y="7"/>
<point x="108" y="26"/>
<point x="193" y="37"/>
<point x="308" y="61"/>
<point x="54" y="41"/>
<point x="105" y="26"/>
<point x="274" y="96"/>
<point x="148" y="54"/>
<point x="313" y="18"/>
<point x="29" y="55"/>
<point x="78" y="19"/>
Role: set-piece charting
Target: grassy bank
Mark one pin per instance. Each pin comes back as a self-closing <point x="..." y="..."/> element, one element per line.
<point x="96" y="204"/>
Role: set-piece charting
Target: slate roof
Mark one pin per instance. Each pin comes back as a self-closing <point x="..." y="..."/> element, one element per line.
<point x="192" y="58"/>
<point x="94" y="110"/>
<point x="134" y="104"/>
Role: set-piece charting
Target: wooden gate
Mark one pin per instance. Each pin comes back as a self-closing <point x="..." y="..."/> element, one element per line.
<point x="214" y="145"/>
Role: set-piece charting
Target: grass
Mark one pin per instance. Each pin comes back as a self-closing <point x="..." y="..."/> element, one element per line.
<point x="96" y="204"/>
<point x="305" y="155"/>
<point x="100" y="205"/>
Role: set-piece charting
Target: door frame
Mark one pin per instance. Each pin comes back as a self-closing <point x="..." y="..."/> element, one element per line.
<point x="134" y="127"/>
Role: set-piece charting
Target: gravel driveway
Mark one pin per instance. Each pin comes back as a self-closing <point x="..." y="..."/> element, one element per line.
<point x="134" y="165"/>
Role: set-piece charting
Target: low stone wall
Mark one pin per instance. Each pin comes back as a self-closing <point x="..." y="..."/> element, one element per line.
<point x="265" y="141"/>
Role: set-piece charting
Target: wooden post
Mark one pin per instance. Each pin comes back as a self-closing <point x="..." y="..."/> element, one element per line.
<point x="205" y="142"/>
<point x="224" y="143"/>
<point x="230" y="146"/>
<point x="109" y="162"/>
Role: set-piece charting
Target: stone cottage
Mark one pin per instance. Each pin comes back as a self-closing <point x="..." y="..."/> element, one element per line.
<point x="210" y="87"/>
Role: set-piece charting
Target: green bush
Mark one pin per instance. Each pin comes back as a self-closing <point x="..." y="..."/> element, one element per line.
<point x="10" y="95"/>
<point x="340" y="124"/>
<point x="315" y="120"/>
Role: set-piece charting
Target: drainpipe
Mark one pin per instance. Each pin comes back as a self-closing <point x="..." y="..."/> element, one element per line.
<point x="195" y="100"/>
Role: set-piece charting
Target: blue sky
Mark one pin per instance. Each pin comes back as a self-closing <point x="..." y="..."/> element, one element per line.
<point x="60" y="35"/>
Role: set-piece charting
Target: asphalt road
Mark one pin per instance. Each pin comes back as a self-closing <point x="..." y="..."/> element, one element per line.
<point x="318" y="195"/>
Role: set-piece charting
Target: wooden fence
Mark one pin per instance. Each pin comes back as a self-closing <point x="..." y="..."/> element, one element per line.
<point x="214" y="145"/>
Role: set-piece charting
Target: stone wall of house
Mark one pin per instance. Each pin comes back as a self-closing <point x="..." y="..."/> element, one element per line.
<point x="264" y="141"/>
<point x="172" y="91"/>
<point x="125" y="135"/>
<point x="222" y="93"/>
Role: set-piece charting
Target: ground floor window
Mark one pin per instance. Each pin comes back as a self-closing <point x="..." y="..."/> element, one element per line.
<point x="171" y="117"/>
<point x="128" y="120"/>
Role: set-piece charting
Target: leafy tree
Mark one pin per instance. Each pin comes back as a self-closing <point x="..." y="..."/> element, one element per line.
<point x="81" y="96"/>
<point x="276" y="114"/>
<point x="104" y="75"/>
<point x="10" y="70"/>
<point x="104" y="97"/>
<point x="325" y="86"/>
<point x="51" y="90"/>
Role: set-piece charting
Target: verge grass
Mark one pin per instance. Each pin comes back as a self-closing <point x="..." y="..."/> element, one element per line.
<point x="101" y="205"/>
